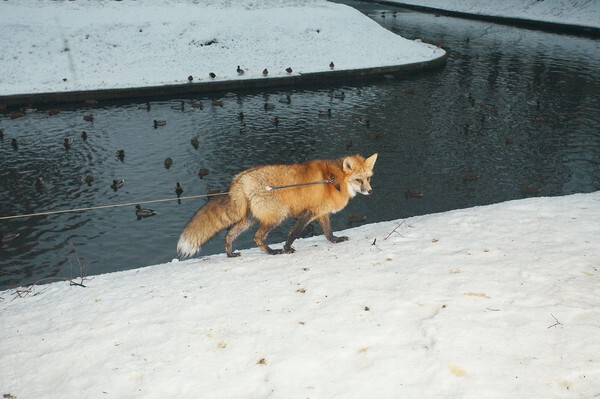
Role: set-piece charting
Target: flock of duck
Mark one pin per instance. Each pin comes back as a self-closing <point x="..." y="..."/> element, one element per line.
<point x="240" y="71"/>
<point x="117" y="184"/>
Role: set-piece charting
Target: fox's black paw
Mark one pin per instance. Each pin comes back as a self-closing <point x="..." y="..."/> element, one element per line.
<point x="335" y="239"/>
<point x="234" y="255"/>
<point x="283" y="250"/>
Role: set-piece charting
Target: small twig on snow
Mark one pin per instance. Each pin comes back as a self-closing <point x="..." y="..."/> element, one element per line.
<point x="394" y="231"/>
<point x="558" y="323"/>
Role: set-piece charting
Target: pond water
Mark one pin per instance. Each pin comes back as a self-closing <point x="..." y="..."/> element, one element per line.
<point x="513" y="113"/>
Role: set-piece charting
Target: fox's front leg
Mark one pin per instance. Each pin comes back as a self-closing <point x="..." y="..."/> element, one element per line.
<point x="300" y="225"/>
<point x="326" y="227"/>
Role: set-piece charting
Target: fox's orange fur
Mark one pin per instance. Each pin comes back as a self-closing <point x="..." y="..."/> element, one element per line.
<point x="248" y="199"/>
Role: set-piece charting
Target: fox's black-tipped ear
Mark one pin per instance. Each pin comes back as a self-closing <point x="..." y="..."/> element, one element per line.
<point x="370" y="162"/>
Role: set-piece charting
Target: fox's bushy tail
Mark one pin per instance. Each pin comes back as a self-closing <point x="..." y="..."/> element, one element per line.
<point x="217" y="214"/>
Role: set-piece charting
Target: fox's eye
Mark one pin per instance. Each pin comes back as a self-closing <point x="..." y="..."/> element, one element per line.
<point x="360" y="181"/>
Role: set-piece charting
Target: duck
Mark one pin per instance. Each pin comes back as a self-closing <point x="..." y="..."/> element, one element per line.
<point x="159" y="122"/>
<point x="28" y="110"/>
<point x="88" y="118"/>
<point x="240" y="116"/>
<point x="203" y="172"/>
<point x="1" y="134"/>
<point x="325" y="112"/>
<point x="331" y="65"/>
<point x="195" y="143"/>
<point x="356" y="218"/>
<point x="39" y="182"/>
<point x="168" y="162"/>
<point x="530" y="191"/>
<point x="364" y="121"/>
<point x="469" y="176"/>
<point x="15" y="143"/>
<point x="84" y="135"/>
<point x="143" y="212"/>
<point x="288" y="70"/>
<point x="268" y="106"/>
<point x="8" y="237"/>
<point x="212" y="75"/>
<point x="413" y="194"/>
<point x="349" y="144"/>
<point x="230" y="94"/>
<point x="53" y="111"/>
<point x="239" y="70"/>
<point x="339" y="94"/>
<point x="67" y="143"/>
<point x="89" y="179"/>
<point x="117" y="184"/>
<point x="121" y="155"/>
<point x="16" y="115"/>
<point x="190" y="78"/>
<point x="286" y="100"/>
<point x="379" y="135"/>
<point x="265" y="72"/>
<point x="275" y="121"/>
<point x="179" y="107"/>
<point x="217" y="103"/>
<point x="144" y="106"/>
<point x="197" y="104"/>
<point x="178" y="190"/>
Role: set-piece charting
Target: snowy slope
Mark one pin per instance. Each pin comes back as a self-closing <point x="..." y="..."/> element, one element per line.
<point x="500" y="301"/>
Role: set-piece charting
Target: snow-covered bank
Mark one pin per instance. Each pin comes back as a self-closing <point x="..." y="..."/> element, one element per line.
<point x="495" y="301"/>
<point x="51" y="46"/>
<point x="585" y="13"/>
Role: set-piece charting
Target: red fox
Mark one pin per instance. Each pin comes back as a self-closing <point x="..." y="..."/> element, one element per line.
<point x="273" y="193"/>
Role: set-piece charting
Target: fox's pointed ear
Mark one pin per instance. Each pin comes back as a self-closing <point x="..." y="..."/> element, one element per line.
<point x="348" y="164"/>
<point x="370" y="162"/>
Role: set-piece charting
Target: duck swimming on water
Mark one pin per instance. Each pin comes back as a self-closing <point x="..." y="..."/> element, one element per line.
<point x="142" y="213"/>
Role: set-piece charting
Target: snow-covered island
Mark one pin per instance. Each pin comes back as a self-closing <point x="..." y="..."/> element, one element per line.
<point x="58" y="46"/>
<point x="495" y="301"/>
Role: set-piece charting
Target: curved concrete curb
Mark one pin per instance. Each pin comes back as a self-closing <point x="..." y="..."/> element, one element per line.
<point x="186" y="89"/>
<point x="554" y="27"/>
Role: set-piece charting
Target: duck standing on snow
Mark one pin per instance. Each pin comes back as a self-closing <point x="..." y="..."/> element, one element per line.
<point x="240" y="71"/>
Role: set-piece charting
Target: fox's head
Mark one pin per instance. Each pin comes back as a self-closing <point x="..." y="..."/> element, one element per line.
<point x="358" y="173"/>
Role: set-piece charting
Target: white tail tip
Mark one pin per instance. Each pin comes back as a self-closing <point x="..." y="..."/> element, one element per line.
<point x="185" y="249"/>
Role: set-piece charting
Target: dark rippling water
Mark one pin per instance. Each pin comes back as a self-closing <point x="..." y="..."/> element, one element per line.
<point x="518" y="109"/>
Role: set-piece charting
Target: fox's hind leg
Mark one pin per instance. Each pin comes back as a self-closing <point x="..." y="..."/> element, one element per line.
<point x="234" y="232"/>
<point x="261" y="236"/>
<point x="326" y="227"/>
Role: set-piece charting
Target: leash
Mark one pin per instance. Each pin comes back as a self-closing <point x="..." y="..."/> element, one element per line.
<point x="91" y="208"/>
<point x="326" y="181"/>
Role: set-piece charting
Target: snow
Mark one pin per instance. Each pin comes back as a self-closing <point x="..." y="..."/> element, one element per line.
<point x="112" y="44"/>
<point x="570" y="12"/>
<point x="495" y="301"/>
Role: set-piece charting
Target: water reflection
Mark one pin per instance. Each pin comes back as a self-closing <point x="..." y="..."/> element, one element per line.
<point x="513" y="113"/>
